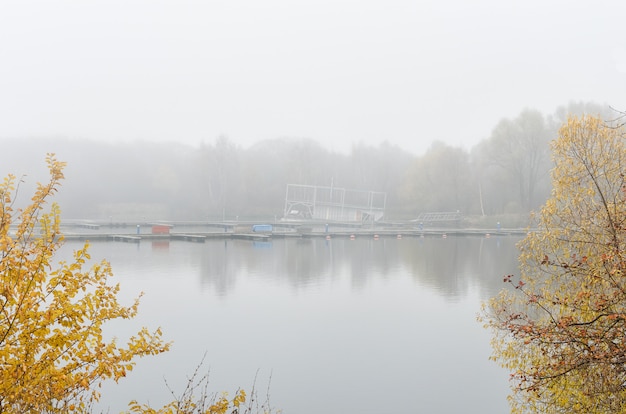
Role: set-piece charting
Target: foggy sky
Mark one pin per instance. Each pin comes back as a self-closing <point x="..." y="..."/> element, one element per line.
<point x="340" y="71"/>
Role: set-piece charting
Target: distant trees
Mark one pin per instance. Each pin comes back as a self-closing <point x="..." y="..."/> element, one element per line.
<point x="506" y="173"/>
<point x="503" y="174"/>
<point x="220" y="179"/>
<point x="564" y="112"/>
<point x="378" y="168"/>
<point x="561" y="328"/>
<point x="517" y="154"/>
<point x="270" y="165"/>
<point x="440" y="180"/>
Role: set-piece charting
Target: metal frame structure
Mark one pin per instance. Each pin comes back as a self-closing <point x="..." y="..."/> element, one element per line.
<point x="310" y="202"/>
<point x="439" y="216"/>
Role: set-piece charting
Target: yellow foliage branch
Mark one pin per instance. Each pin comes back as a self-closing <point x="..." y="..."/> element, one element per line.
<point x="52" y="352"/>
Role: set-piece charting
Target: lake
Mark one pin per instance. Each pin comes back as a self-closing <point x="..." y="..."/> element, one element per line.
<point x="319" y="326"/>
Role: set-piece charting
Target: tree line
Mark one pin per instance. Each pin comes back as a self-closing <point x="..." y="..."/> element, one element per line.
<point x="507" y="173"/>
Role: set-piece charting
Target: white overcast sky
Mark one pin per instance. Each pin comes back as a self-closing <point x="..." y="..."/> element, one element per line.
<point x="340" y="71"/>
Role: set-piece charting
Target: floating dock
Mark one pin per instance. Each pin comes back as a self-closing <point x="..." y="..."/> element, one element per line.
<point x="201" y="237"/>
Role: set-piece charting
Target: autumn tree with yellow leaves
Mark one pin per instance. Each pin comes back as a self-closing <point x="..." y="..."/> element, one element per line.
<point x="560" y="327"/>
<point x="53" y="355"/>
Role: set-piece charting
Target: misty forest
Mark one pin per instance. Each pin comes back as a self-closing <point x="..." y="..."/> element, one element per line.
<point x="505" y="175"/>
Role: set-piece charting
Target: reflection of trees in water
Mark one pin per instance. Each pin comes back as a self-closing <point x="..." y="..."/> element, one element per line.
<point x="454" y="265"/>
<point x="495" y="263"/>
<point x="369" y="259"/>
<point x="218" y="268"/>
<point x="300" y="262"/>
<point x="450" y="265"/>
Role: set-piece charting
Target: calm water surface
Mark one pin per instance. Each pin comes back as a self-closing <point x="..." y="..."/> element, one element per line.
<point x="338" y="326"/>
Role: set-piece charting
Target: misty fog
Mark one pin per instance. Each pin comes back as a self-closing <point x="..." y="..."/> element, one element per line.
<point x="506" y="173"/>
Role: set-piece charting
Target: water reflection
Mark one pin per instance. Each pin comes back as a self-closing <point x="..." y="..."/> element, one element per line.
<point x="368" y="326"/>
<point x="451" y="266"/>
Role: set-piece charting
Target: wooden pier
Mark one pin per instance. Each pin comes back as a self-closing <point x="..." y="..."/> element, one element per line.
<point x="199" y="232"/>
<point x="201" y="237"/>
<point x="255" y="237"/>
<point x="198" y="238"/>
<point x="125" y="238"/>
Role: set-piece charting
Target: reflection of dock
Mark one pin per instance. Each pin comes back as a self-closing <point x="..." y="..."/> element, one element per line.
<point x="201" y="237"/>
<point x="414" y="233"/>
<point x="190" y="237"/>
<point x="124" y="238"/>
<point x="255" y="237"/>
